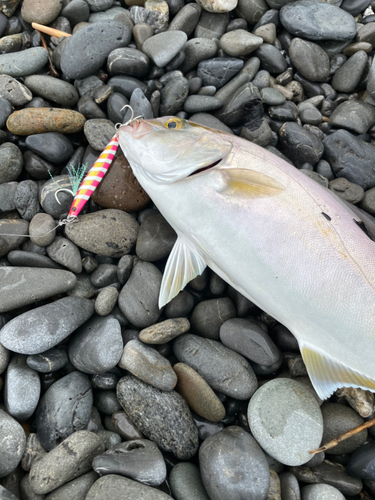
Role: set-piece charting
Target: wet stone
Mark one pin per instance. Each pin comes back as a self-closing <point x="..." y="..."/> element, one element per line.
<point x="163" y="416"/>
<point x="22" y="389"/>
<point x="29" y="285"/>
<point x="49" y="361"/>
<point x="11" y="162"/>
<point x="140" y="460"/>
<point x="362" y="462"/>
<point x="310" y="148"/>
<point x="64" y="409"/>
<point x="12" y="443"/>
<point x="180" y="305"/>
<point x="52" y="146"/>
<point x="173" y="96"/>
<point x="53" y="89"/>
<point x="23" y="63"/>
<point x="271" y="59"/>
<point x="219" y="70"/>
<point x="104" y="275"/>
<point x="309" y="59"/>
<point x="148" y="365"/>
<point x="163" y="332"/>
<point x="99" y="132"/>
<point x="60" y="318"/>
<point x="121" y="488"/>
<point x="163" y="47"/>
<point x="356" y="116"/>
<point x="128" y="61"/>
<point x="200" y="103"/>
<point x="239" y="43"/>
<point x="111" y="233"/>
<point x="209" y="315"/>
<point x="76" y="12"/>
<point x="14" y="92"/>
<point x="155" y="238"/>
<point x="347" y="190"/>
<point x="223" y="369"/>
<point x="97" y="346"/>
<point x="70" y="459"/>
<point x="64" y="252"/>
<point x="232" y="462"/>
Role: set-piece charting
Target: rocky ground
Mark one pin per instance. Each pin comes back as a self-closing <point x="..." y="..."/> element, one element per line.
<point x="103" y="395"/>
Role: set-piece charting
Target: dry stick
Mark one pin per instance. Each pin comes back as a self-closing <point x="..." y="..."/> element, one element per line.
<point x="49" y="31"/>
<point x="347" y="435"/>
<point x="50" y="63"/>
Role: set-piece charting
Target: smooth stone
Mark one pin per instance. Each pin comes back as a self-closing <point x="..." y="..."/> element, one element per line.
<point x="14" y="92"/>
<point x="351" y="158"/>
<point x="209" y="315"/>
<point x="290" y="489"/>
<point x="138" y="299"/>
<point x="180" y="305"/>
<point x="321" y="492"/>
<point x="211" y="25"/>
<point x="163" y="332"/>
<point x="121" y="488"/>
<point x="173" y="96"/>
<point x="120" y="188"/>
<point x="197" y="50"/>
<point x="218" y="5"/>
<point x="115" y="111"/>
<point x="356" y="116"/>
<point x="271" y="58"/>
<point x="148" y="365"/>
<point x="64" y="409"/>
<point x="362" y="462"/>
<point x="47" y="325"/>
<point x="317" y="21"/>
<point x="223" y="369"/>
<point x="76" y="12"/>
<point x="368" y="201"/>
<point x="125" y="427"/>
<point x="198" y="394"/>
<point x="201" y="103"/>
<point x="110" y="232"/>
<point x="52" y="146"/>
<point x="173" y="430"/>
<point x="125" y="85"/>
<point x="76" y="489"/>
<point x="106" y="301"/>
<point x="261" y="135"/>
<point x="219" y="70"/>
<point x="249" y="340"/>
<point x="310" y="148"/>
<point x="99" y="132"/>
<point x="163" y="47"/>
<point x="49" y="203"/>
<point x="239" y="43"/>
<point x="26" y="199"/>
<point x="89" y="109"/>
<point x="106" y="380"/>
<point x="349" y="74"/>
<point x="4" y="356"/>
<point x="310" y="60"/>
<point x="22" y="389"/>
<point x="356" y="47"/>
<point x="7" y="197"/>
<point x="5" y="111"/>
<point x="97" y="346"/>
<point x="186" y="483"/>
<point x="100" y="5"/>
<point x="17" y="228"/>
<point x="286" y="420"/>
<point x="23" y="63"/>
<point x="64" y="252"/>
<point x="252" y="10"/>
<point x="70" y="459"/>
<point x="233" y="465"/>
<point x="124" y="268"/>
<point x="11" y="162"/>
<point x="12" y="443"/>
<point x="267" y="30"/>
<point x="37" y="167"/>
<point x="155" y="238"/>
<point x="338" y="419"/>
<point x="30" y="259"/>
<point x="139" y="459"/>
<point x="25" y="285"/>
<point x="355" y="7"/>
<point x="347" y="190"/>
<point x="128" y="61"/>
<point x="311" y="116"/>
<point x="53" y="89"/>
<point x="95" y="47"/>
<point x="49" y="361"/>
<point x="186" y="18"/>
<point x="106" y="402"/>
<point x="366" y="33"/>
<point x="40" y="12"/>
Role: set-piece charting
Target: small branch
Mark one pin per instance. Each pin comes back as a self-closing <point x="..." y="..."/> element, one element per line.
<point x="49" y="31"/>
<point x="347" y="435"/>
<point x="50" y="63"/>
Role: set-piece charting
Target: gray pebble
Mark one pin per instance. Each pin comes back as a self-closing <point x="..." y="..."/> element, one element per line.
<point x="138" y="299"/>
<point x="106" y="301"/>
<point x="180" y="305"/>
<point x="186" y="18"/>
<point x="233" y="465"/>
<point x="70" y="459"/>
<point x="99" y="132"/>
<point x="173" y="96"/>
<point x="155" y="238"/>
<point x="124" y="267"/>
<point x="121" y="488"/>
<point x="201" y="103"/>
<point x="223" y="369"/>
<point x="163" y="332"/>
<point x="356" y="116"/>
<point x="66" y="253"/>
<point x="23" y="63"/>
<point x="163" y="47"/>
<point x="17" y="228"/>
<point x="252" y="10"/>
<point x="148" y="365"/>
<point x="211" y="25"/>
<point x="22" y="389"/>
<point x="310" y="60"/>
<point x="26" y="199"/>
<point x="219" y="70"/>
<point x="5" y="111"/>
<point x="97" y="346"/>
<point x="209" y="315"/>
<point x="7" y="197"/>
<point x="368" y="201"/>
<point x="289" y="486"/>
<point x="53" y="89"/>
<point x="4" y="356"/>
<point x="321" y="492"/>
<point x="104" y="275"/>
<point x="26" y="491"/>
<point x="271" y="59"/>
<point x="163" y="416"/>
<point x="52" y="146"/>
<point x="347" y="190"/>
<point x="310" y="148"/>
<point x="11" y="162"/>
<point x="106" y="402"/>
<point x="64" y="409"/>
<point x="347" y="77"/>
<point x="311" y="116"/>
<point x="128" y="61"/>
<point x="12" y="443"/>
<point x="14" y="92"/>
<point x="49" y="361"/>
<point x="41" y="229"/>
<point x="272" y="97"/>
<point x="186" y="482"/>
<point x="76" y="489"/>
<point x="240" y="42"/>
<point x="197" y="50"/>
<point x="46" y="325"/>
<point x="208" y="120"/>
<point x="76" y="12"/>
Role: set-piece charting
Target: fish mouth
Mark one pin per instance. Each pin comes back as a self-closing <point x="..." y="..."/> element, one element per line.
<point x="203" y="169"/>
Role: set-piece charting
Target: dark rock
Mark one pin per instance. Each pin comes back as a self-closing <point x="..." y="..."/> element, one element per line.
<point x="14" y="92"/>
<point x="64" y="252"/>
<point x="52" y="146"/>
<point x="243" y="106"/>
<point x="173" y="96"/>
<point x="355" y="116"/>
<point x="23" y="63"/>
<point x="180" y="306"/>
<point x="349" y="74"/>
<point x="197" y="50"/>
<point x="211" y="25"/>
<point x="11" y="162"/>
<point x="30" y="259"/>
<point x="219" y="70"/>
<point x="104" y="275"/>
<point x="127" y="61"/>
<point x="310" y="60"/>
<point x="155" y="239"/>
<point x="271" y="59"/>
<point x="209" y="315"/>
<point x="310" y="148"/>
<point x="125" y="85"/>
<point x="362" y="462"/>
<point x="186" y="482"/>
<point x="49" y="361"/>
<point x="53" y="89"/>
<point x="99" y="132"/>
<point x="78" y="488"/>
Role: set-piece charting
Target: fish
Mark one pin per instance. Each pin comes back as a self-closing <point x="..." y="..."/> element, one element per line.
<point x="281" y="239"/>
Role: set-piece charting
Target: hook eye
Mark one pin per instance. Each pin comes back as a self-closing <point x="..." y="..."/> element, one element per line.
<point x="62" y="189"/>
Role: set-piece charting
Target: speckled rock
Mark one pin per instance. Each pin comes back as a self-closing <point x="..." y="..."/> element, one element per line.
<point x="99" y="132"/>
<point x="155" y="238"/>
<point x="11" y="162"/>
<point x="13" y="91"/>
<point x="53" y="89"/>
<point x="106" y="300"/>
<point x="121" y="488"/>
<point x="65" y="252"/>
<point x="41" y="12"/>
<point x="41" y="229"/>
<point x="12" y="443"/>
<point x="186" y="482"/>
<point x="76" y="489"/>
<point x="109" y="232"/>
<point x="163" y="332"/>
<point x="321" y="492"/>
<point x="23" y="63"/>
<point x="40" y="120"/>
<point x="162" y="416"/>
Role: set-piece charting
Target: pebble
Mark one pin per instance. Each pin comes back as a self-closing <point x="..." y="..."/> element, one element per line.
<point x="173" y="96"/>
<point x="219" y="70"/>
<point x="148" y="365"/>
<point x="52" y="146"/>
<point x="14" y="92"/>
<point x="271" y="58"/>
<point x="4" y="356"/>
<point x="97" y="346"/>
<point x="64" y="252"/>
<point x="25" y="285"/>
<point x="361" y="463"/>
<point x="356" y="116"/>
<point x="321" y="492"/>
<point x="128" y="61"/>
<point x="239" y="43"/>
<point x="162" y="416"/>
<point x="22" y="389"/>
<point x="163" y="47"/>
<point x="317" y="21"/>
<point x="294" y="423"/>
<point x="289" y="486"/>
<point x="104" y="275"/>
<point x="106" y="402"/>
<point x="338" y="419"/>
<point x="40" y="12"/>
<point x="163" y="332"/>
<point x="54" y="90"/>
<point x="209" y="315"/>
<point x="252" y="10"/>
<point x="49" y="361"/>
<point x="250" y="340"/>
<point x="77" y="488"/>
<point x="110" y="232"/>
<point x="198" y="394"/>
<point x="310" y="60"/>
<point x="17" y="228"/>
<point x="23" y="63"/>
<point x="12" y="443"/>
<point x="223" y="369"/>
<point x="310" y="148"/>
<point x="232" y="463"/>
<point x="47" y="325"/>
<point x="186" y="483"/>
<point x="121" y="488"/>
<point x="180" y="305"/>
<point x="155" y="238"/>
<point x="218" y="5"/>
<point x="11" y="162"/>
<point x="70" y="459"/>
<point x="139" y="459"/>
<point x="347" y="190"/>
<point x="99" y="132"/>
<point x="89" y="40"/>
<point x="125" y="427"/>
<point x="41" y="230"/>
<point x="106" y="301"/>
<point x="202" y="103"/>
<point x="138" y="298"/>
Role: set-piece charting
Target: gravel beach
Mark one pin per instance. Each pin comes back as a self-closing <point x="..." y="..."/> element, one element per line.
<point x="104" y="396"/>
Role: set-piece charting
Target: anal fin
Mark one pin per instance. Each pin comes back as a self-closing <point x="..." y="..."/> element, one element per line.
<point x="184" y="263"/>
<point x="328" y="374"/>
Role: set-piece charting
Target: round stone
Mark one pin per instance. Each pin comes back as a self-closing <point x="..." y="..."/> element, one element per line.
<point x="11" y="162"/>
<point x="186" y="482"/>
<point x="163" y="47"/>
<point x="99" y="132"/>
<point x="238" y="43"/>
<point x="321" y="492"/>
<point x="286" y="420"/>
<point x="218" y="5"/>
<point x="209" y="315"/>
<point x="12" y="443"/>
<point x="347" y="190"/>
<point x="163" y="332"/>
<point x="37" y="11"/>
<point x="310" y="60"/>
<point x="41" y="229"/>
<point x="128" y="61"/>
<point x="106" y="300"/>
<point x="49" y="361"/>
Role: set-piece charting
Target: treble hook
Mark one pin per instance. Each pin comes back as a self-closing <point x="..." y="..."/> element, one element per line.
<point x="118" y="125"/>
<point x="63" y="189"/>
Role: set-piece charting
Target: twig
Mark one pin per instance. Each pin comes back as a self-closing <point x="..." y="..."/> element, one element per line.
<point x="347" y="435"/>
<point x="50" y="63"/>
<point x="49" y="31"/>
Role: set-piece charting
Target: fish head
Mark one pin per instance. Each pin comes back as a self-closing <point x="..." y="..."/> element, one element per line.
<point x="168" y="149"/>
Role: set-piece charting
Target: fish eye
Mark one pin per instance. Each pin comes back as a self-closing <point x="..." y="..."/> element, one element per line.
<point x="175" y="123"/>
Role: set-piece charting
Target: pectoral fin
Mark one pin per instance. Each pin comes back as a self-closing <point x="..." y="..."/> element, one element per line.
<point x="183" y="265"/>
<point x="328" y="374"/>
<point x="249" y="183"/>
